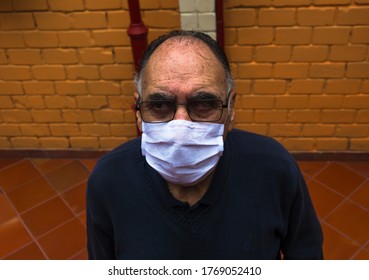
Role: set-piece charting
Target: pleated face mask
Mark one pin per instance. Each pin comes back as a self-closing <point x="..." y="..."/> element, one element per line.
<point x="182" y="152"/>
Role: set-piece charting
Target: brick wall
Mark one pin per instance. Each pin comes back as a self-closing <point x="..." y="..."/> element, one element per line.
<point x="302" y="71"/>
<point x="66" y="71"/>
<point x="301" y="67"/>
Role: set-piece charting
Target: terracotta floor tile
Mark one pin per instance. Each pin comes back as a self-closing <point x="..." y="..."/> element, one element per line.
<point x="12" y="236"/>
<point x="80" y="256"/>
<point x="7" y="161"/>
<point x="324" y="199"/>
<point x="76" y="198"/>
<point x="31" y="193"/>
<point x="340" y="178"/>
<point x="47" y="216"/>
<point x="29" y="252"/>
<point x="89" y="163"/>
<point x="82" y="218"/>
<point x="361" y="195"/>
<point x="6" y="209"/>
<point x="362" y="255"/>
<point x="361" y="167"/>
<point x="48" y="165"/>
<point x="65" y="241"/>
<point x="17" y="174"/>
<point x="310" y="168"/>
<point x="336" y="246"/>
<point x="352" y="221"/>
<point x="68" y="175"/>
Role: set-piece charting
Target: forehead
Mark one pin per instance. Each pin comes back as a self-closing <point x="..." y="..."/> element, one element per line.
<point x="184" y="64"/>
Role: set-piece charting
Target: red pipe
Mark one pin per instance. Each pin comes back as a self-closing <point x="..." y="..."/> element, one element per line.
<point x="137" y="31"/>
<point x="219" y="22"/>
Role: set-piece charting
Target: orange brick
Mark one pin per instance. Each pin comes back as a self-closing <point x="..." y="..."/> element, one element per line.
<point x="12" y="88"/>
<point x="121" y="102"/>
<point x="318" y="130"/>
<point x="256" y="102"/>
<point x="71" y="88"/>
<point x="62" y="5"/>
<point x="3" y="57"/>
<point x="34" y="129"/>
<point x="348" y="53"/>
<point x="130" y="116"/>
<point x="88" y="20"/>
<point x="243" y="86"/>
<point x="46" y="116"/>
<point x="54" y="143"/>
<point x="17" y="21"/>
<point x="244" y="116"/>
<point x="128" y="130"/>
<point x="283" y="130"/>
<point x="75" y="38"/>
<point x="263" y="70"/>
<point x="331" y="35"/>
<point x="102" y="5"/>
<point x="25" y="142"/>
<point x="95" y="129"/>
<point x="358" y="70"/>
<point x="96" y="56"/>
<point x="30" y="5"/>
<point x="118" y="19"/>
<point x="111" y="38"/>
<point x="327" y="70"/>
<point x="315" y="17"/>
<point x="353" y="15"/>
<point x="360" y="34"/>
<point x="351" y="130"/>
<point x="123" y="55"/>
<point x="16" y="116"/>
<point x="291" y="102"/>
<point x="60" y="102"/>
<point x="149" y="4"/>
<point x="5" y="143"/>
<point x="63" y="129"/>
<point x="60" y="56"/>
<point x="250" y="3"/>
<point x="169" y="4"/>
<point x="19" y="56"/>
<point x="299" y="144"/>
<point x="276" y="17"/>
<point x="239" y="17"/>
<point x="6" y="102"/>
<point x="306" y="86"/>
<point x="272" y="54"/>
<point x="331" y="102"/>
<point x="304" y="116"/>
<point x="11" y="39"/>
<point x="230" y="36"/>
<point x="10" y="73"/>
<point x="269" y="87"/>
<point x="331" y="144"/>
<point x="91" y="102"/>
<point x="103" y="88"/>
<point x="291" y="2"/>
<point x="338" y="116"/>
<point x="109" y="116"/>
<point x="29" y="102"/>
<point x="343" y="86"/>
<point x="77" y="116"/>
<point x="38" y="87"/>
<point x="128" y="88"/>
<point x="364" y="87"/>
<point x="109" y="143"/>
<point x="293" y="36"/>
<point x="41" y="39"/>
<point x="84" y="143"/>
<point x="117" y="72"/>
<point x="359" y="144"/>
<point x="52" y="21"/>
<point x="239" y="53"/>
<point x="363" y="116"/>
<point x="162" y="18"/>
<point x="270" y="116"/>
<point x="6" y="5"/>
<point x="310" y="53"/>
<point x="356" y="102"/>
<point x="49" y="72"/>
<point x="332" y="2"/>
<point x="291" y="70"/>
<point x="79" y="72"/>
<point x="9" y="130"/>
<point x="254" y="36"/>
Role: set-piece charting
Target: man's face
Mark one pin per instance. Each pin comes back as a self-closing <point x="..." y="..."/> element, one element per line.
<point x="181" y="71"/>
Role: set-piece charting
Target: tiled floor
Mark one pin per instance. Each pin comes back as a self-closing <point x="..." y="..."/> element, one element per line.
<point x="42" y="211"/>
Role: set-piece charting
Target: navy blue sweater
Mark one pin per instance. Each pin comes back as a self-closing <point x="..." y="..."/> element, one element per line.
<point x="257" y="207"/>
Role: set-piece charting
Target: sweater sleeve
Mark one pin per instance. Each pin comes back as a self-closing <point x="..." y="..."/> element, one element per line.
<point x="304" y="238"/>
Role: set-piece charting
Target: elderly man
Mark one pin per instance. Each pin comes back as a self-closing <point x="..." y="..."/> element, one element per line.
<point x="192" y="187"/>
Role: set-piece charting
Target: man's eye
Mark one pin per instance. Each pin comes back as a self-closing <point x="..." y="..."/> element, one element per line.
<point x="209" y="104"/>
<point x="159" y="105"/>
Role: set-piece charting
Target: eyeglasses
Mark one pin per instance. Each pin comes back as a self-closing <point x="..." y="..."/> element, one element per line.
<point x="202" y="110"/>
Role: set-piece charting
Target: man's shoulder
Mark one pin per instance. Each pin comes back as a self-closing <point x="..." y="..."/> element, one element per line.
<point x="254" y="141"/>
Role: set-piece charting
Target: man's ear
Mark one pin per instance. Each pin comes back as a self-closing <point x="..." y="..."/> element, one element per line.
<point x="138" y="114"/>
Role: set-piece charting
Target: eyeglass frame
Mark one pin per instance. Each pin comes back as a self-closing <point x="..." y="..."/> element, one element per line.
<point x="224" y="105"/>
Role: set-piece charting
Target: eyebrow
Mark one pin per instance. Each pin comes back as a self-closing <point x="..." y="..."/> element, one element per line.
<point x="159" y="96"/>
<point x="203" y="95"/>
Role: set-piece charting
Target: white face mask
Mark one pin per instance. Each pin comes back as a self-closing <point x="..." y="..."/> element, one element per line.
<point x="183" y="152"/>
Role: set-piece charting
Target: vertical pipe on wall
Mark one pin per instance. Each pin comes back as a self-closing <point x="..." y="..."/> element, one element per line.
<point x="219" y="22"/>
